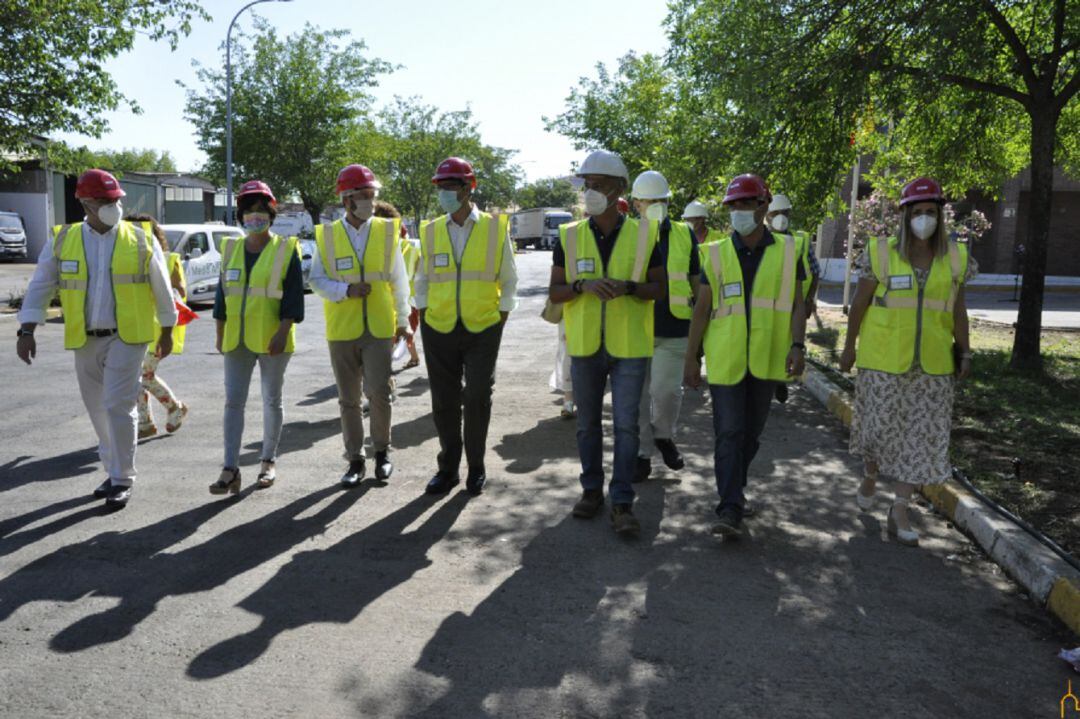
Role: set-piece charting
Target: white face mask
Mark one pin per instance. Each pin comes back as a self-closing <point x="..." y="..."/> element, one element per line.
<point x="449" y="202"/>
<point x="656" y="211"/>
<point x="743" y="221"/>
<point x="780" y="223"/>
<point x="110" y="214"/>
<point x="924" y="226"/>
<point x="596" y="202"/>
<point x="362" y="209"/>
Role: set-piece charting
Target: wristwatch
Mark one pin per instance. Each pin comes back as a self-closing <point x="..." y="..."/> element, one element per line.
<point x="21" y="332"/>
<point x="800" y="345"/>
<point x="631" y="287"/>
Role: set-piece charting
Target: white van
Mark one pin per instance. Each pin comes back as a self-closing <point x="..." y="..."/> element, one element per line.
<point x="199" y="247"/>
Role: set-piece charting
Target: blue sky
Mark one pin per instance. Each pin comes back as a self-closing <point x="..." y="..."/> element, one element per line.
<point x="525" y="57"/>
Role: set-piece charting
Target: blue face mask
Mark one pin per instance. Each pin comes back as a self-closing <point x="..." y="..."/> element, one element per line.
<point x="449" y="202"/>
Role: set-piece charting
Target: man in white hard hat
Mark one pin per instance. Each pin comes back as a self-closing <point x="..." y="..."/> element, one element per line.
<point x="607" y="272"/>
<point x="696" y="215"/>
<point x="778" y="219"/>
<point x="661" y="398"/>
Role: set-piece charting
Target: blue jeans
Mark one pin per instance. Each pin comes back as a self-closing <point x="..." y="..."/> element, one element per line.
<point x="739" y="415"/>
<point x="590" y="376"/>
<point x="239" y="366"/>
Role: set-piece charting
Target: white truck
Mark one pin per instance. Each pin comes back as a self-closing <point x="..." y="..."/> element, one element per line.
<point x="538" y="227"/>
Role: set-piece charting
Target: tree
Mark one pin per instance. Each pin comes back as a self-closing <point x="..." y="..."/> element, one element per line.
<point x="300" y="107"/>
<point x="552" y="192"/>
<point x="969" y="91"/>
<point x="75" y="160"/>
<point x="413" y="138"/>
<point x="52" y="55"/>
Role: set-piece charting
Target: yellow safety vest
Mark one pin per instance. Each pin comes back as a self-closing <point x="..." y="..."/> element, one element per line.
<point x="411" y="254"/>
<point x="625" y="324"/>
<point x="892" y="322"/>
<point x="255" y="303"/>
<point x="469" y="291"/>
<point x="136" y="310"/>
<point x="728" y="353"/>
<point x="347" y="320"/>
<point x="802" y="247"/>
<point x="179" y="333"/>
<point x="678" y="270"/>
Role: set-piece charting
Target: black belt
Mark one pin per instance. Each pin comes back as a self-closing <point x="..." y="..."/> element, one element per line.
<point x="100" y="333"/>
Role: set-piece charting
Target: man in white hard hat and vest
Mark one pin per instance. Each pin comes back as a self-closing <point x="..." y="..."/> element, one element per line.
<point x="359" y="271"/>
<point x="661" y="396"/>
<point x="696" y="214"/>
<point x="778" y="218"/>
<point x="115" y="292"/>
<point x="608" y="272"/>
<point x="465" y="287"/>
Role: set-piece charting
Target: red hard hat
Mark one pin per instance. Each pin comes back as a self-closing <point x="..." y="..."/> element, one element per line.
<point x="356" y="177"/>
<point x="624" y="206"/>
<point x="98" y="185"/>
<point x="454" y="168"/>
<point x="746" y="187"/>
<point x="923" y="189"/>
<point x="256" y="187"/>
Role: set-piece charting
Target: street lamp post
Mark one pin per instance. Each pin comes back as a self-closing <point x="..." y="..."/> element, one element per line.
<point x="229" y="213"/>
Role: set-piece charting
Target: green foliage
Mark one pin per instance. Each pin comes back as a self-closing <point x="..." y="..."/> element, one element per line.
<point x="552" y="192"/>
<point x="75" y="160"/>
<point x="52" y="57"/>
<point x="410" y="141"/>
<point x="300" y="108"/>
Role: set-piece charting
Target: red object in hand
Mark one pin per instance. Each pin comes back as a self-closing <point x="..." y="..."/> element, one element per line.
<point x="185" y="313"/>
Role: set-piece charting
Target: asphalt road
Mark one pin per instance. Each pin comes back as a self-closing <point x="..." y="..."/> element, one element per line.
<point x="306" y="600"/>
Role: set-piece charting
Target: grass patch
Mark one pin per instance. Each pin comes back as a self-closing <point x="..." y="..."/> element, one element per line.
<point x="1015" y="434"/>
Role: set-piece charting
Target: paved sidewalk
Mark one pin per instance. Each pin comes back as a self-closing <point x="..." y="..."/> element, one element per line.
<point x="305" y="600"/>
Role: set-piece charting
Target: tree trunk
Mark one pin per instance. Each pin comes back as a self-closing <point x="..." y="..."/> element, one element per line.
<point x="1025" y="352"/>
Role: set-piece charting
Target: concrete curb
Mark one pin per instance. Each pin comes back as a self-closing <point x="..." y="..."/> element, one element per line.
<point x="1046" y="576"/>
<point x="50" y="314"/>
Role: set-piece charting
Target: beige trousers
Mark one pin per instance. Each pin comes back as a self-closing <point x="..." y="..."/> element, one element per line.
<point x="362" y="367"/>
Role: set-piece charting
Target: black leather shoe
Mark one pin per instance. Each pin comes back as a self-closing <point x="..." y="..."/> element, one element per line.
<point x="643" y="470"/>
<point x="623" y="519"/>
<point x="383" y="466"/>
<point x="442" y="483"/>
<point x="728" y="524"/>
<point x="118" y="496"/>
<point x="103" y="489"/>
<point x="670" y="453"/>
<point x="781" y="393"/>
<point x="474" y="483"/>
<point x="354" y="474"/>
<point x="592" y="500"/>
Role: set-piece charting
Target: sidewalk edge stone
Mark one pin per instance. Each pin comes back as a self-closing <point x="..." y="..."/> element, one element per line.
<point x="1047" y="577"/>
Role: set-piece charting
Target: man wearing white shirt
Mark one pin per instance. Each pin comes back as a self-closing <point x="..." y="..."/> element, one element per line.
<point x="464" y="289"/>
<point x="113" y="284"/>
<point x="358" y="270"/>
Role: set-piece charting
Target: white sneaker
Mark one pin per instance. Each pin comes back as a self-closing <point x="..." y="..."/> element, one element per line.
<point x="907" y="537"/>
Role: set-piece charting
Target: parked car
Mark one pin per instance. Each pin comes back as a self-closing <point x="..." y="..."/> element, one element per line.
<point x="12" y="236"/>
<point x="538" y="227"/>
<point x="199" y="247"/>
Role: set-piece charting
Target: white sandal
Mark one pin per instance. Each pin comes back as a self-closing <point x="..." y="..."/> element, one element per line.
<point x="267" y="475"/>
<point x="907" y="537"/>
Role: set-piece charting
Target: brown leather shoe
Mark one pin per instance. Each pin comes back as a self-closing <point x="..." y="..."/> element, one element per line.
<point x="623" y="519"/>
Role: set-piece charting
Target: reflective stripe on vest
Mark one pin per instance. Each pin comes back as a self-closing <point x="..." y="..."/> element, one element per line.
<point x="678" y="270"/>
<point x="134" y="305"/>
<point x="625" y="324"/>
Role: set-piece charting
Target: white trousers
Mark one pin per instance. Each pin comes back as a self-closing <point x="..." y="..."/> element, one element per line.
<point x="108" y="371"/>
<point x="661" y="398"/>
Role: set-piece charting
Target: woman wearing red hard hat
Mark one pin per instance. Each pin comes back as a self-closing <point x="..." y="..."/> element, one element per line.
<point x="115" y="291"/>
<point x="908" y="335"/>
<point x="260" y="299"/>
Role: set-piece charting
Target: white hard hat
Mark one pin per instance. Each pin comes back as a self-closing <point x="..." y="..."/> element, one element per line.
<point x="695" y="209"/>
<point x="602" y="162"/>
<point x="650" y="185"/>
<point x="779" y="202"/>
